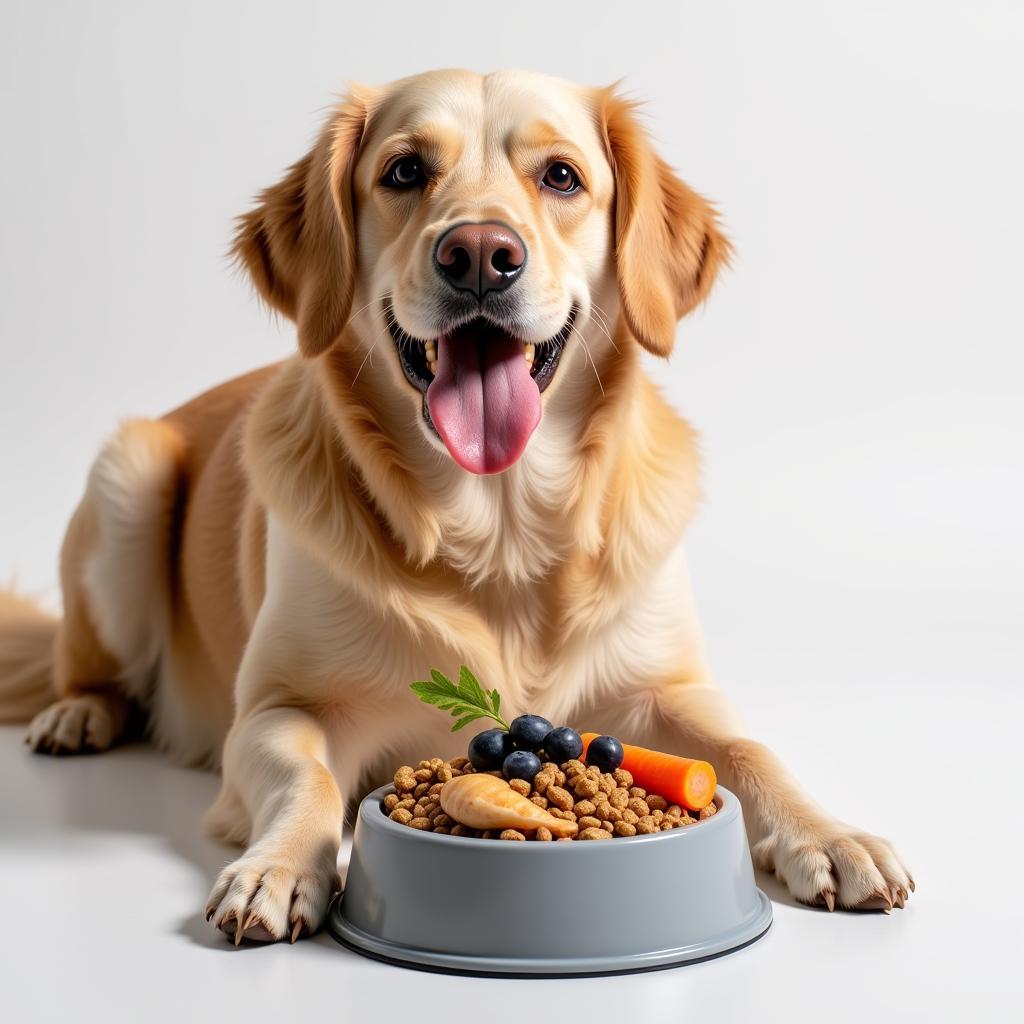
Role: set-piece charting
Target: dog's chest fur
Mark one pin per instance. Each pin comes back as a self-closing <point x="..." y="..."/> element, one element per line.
<point x="354" y="660"/>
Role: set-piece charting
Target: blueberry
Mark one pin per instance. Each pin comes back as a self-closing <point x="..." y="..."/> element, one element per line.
<point x="605" y="752"/>
<point x="528" y="732"/>
<point x="563" y="744"/>
<point x="489" y="749"/>
<point x="521" y="764"/>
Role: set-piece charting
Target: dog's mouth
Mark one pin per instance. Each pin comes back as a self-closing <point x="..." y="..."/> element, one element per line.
<point x="481" y="387"/>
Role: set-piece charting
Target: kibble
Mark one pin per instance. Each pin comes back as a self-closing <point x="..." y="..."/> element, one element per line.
<point x="559" y="798"/>
<point x="618" y="798"/>
<point x="603" y="805"/>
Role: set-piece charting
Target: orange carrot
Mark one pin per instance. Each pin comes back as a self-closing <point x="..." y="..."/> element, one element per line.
<point x="682" y="780"/>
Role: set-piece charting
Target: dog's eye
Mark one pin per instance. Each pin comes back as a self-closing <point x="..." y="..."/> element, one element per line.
<point x="405" y="172"/>
<point x="561" y="177"/>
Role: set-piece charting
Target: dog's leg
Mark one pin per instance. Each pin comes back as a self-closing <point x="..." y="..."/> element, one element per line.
<point x="820" y="859"/>
<point x="114" y="578"/>
<point x="276" y="776"/>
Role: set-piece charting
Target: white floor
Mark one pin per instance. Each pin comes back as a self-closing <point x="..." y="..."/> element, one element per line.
<point x="103" y="869"/>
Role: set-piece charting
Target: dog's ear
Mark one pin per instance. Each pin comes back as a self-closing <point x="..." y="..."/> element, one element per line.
<point x="298" y="245"/>
<point x="668" y="246"/>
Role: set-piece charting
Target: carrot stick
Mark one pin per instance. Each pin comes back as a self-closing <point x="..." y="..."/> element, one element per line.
<point x="682" y="780"/>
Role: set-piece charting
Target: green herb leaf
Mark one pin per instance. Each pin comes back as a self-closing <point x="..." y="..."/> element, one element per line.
<point x="467" y="700"/>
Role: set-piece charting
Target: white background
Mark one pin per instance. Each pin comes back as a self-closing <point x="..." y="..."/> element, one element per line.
<point x="856" y="378"/>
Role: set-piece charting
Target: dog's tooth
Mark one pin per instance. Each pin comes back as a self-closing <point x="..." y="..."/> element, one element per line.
<point x="529" y="351"/>
<point x="432" y="366"/>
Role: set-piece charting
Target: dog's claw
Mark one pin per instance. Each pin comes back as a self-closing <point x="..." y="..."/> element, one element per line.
<point x="830" y="899"/>
<point x="297" y="930"/>
<point x="901" y="898"/>
<point x="910" y="881"/>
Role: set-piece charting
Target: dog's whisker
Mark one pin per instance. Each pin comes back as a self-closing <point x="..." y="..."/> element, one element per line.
<point x="603" y="321"/>
<point x="586" y="349"/>
<point x="363" y="309"/>
<point x="604" y="330"/>
<point x="369" y="353"/>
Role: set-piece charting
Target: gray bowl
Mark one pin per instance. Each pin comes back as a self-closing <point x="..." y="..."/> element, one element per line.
<point x="482" y="906"/>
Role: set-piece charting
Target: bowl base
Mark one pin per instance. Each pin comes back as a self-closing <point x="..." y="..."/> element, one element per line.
<point x="524" y="967"/>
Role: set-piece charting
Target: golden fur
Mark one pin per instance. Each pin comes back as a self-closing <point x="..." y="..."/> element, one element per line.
<point x="265" y="569"/>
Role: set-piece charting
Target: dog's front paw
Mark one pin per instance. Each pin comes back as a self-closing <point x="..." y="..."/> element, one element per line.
<point x="266" y="896"/>
<point x="828" y="863"/>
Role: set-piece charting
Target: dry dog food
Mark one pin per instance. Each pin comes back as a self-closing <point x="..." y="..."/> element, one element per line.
<point x="525" y="780"/>
<point x="601" y="805"/>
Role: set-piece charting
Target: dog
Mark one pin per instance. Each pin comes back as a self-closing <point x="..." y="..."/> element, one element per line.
<point x="464" y="463"/>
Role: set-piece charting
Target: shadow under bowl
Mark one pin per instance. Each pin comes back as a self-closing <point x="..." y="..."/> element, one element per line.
<point x="483" y="906"/>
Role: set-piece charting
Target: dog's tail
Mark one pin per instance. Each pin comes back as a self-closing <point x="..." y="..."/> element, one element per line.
<point x="27" y="636"/>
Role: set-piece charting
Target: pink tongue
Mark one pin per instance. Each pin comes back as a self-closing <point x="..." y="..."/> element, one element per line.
<point x="482" y="399"/>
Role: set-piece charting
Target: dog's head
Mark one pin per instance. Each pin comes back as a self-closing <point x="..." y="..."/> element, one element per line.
<point x="486" y="226"/>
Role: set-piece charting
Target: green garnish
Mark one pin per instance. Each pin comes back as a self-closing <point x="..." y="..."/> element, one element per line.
<point x="467" y="700"/>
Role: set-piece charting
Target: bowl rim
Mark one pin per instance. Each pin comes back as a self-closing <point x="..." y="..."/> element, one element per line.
<point x="372" y="815"/>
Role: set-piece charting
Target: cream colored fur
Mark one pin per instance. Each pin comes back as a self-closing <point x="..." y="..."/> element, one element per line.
<point x="287" y="553"/>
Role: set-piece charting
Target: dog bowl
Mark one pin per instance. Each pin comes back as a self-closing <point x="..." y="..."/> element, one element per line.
<point x="482" y="906"/>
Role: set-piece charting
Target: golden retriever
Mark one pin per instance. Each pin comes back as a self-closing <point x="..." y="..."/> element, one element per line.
<point x="465" y="463"/>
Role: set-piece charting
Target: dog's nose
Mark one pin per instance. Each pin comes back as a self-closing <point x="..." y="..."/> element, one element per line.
<point x="480" y="258"/>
